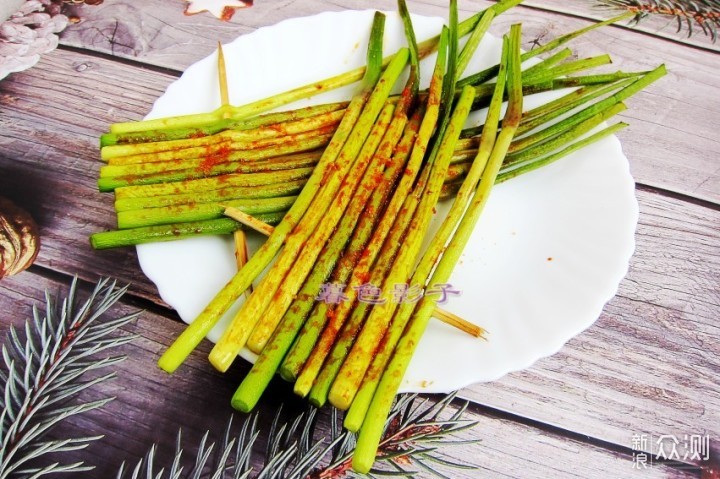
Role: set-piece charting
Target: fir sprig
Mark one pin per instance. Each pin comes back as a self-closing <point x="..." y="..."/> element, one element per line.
<point x="60" y="353"/>
<point x="688" y="14"/>
<point x="63" y="351"/>
<point x="415" y="430"/>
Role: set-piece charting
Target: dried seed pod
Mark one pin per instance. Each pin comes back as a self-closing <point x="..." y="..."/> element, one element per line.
<point x="19" y="240"/>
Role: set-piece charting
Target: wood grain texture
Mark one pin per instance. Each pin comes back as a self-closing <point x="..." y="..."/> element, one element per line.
<point x="151" y="406"/>
<point x="680" y="112"/>
<point x="60" y="143"/>
<point x="649" y="365"/>
<point x="49" y="156"/>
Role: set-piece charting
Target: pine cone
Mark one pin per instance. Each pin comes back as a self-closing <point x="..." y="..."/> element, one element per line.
<point x="29" y="33"/>
<point x="19" y="240"/>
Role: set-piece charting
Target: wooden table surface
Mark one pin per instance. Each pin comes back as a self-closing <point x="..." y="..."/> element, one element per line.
<point x="649" y="366"/>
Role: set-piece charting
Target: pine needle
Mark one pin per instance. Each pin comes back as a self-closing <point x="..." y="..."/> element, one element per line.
<point x="415" y="431"/>
<point x="690" y="15"/>
<point x="45" y="366"/>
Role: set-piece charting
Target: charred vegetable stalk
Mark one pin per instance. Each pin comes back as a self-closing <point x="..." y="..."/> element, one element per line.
<point x="371" y="429"/>
<point x="172" y="176"/>
<point x="192" y="335"/>
<point x="344" y="193"/>
<point x="381" y="249"/>
<point x="206" y="119"/>
<point x="235" y="337"/>
<point x="362" y="396"/>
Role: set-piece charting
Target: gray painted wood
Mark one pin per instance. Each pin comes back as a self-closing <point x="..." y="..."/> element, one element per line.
<point x="151" y="406"/>
<point x="681" y="158"/>
<point x="649" y="365"/>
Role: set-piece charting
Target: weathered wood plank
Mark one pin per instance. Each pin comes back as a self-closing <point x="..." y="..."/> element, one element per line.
<point x="50" y="153"/>
<point x="49" y="156"/>
<point x="678" y="113"/>
<point x="150" y="406"/>
<point x="650" y="364"/>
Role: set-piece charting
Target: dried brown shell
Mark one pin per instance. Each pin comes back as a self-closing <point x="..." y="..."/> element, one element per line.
<point x="19" y="239"/>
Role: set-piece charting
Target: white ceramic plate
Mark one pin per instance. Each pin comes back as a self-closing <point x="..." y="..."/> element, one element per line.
<point x="548" y="253"/>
